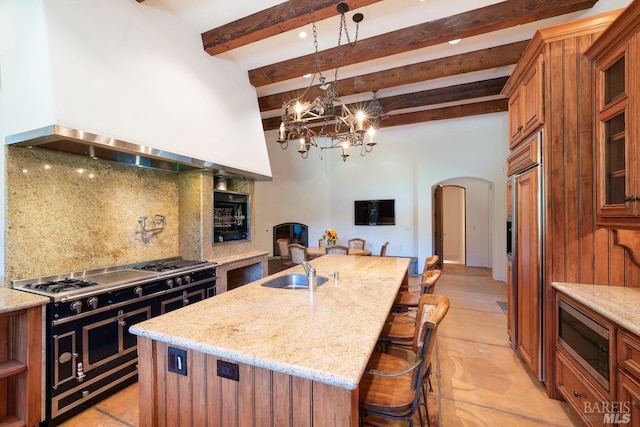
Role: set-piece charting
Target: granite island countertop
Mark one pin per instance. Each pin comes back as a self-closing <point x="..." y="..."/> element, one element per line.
<point x="616" y="303"/>
<point x="325" y="336"/>
<point x="12" y="300"/>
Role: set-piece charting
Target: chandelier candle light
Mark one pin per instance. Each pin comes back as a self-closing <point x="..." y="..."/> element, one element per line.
<point x="326" y="122"/>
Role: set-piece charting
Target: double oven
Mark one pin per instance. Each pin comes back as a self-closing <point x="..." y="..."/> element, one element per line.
<point x="90" y="353"/>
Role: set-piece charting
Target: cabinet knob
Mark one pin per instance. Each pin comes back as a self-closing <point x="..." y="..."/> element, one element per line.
<point x="520" y="128"/>
<point x="631" y="198"/>
<point x="576" y="394"/>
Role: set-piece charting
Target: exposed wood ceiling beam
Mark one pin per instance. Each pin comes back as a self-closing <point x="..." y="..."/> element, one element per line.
<point x="437" y="96"/>
<point x="457" y="64"/>
<point x="270" y="22"/>
<point x="479" y="21"/>
<point x="456" y="111"/>
<point x="443" y="95"/>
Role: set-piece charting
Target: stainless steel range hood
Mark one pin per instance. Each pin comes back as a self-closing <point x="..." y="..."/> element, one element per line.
<point x="60" y="138"/>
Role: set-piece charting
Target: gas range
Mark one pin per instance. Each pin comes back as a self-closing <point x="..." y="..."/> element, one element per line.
<point x="80" y="284"/>
<point x="89" y="351"/>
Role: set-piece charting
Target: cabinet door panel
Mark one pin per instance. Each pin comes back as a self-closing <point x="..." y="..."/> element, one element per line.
<point x="618" y="196"/>
<point x="528" y="272"/>
<point x="515" y="120"/>
<point x="629" y="401"/>
<point x="532" y="97"/>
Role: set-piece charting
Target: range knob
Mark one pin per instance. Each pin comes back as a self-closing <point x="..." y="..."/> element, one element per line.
<point x="93" y="302"/>
<point x="138" y="291"/>
<point x="178" y="281"/>
<point x="170" y="283"/>
<point x="187" y="279"/>
<point x="76" y="306"/>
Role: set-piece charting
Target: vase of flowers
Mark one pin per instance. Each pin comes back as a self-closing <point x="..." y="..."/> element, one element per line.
<point x="330" y="237"/>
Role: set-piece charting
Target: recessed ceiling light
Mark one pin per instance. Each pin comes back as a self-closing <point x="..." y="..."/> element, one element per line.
<point x="302" y="34"/>
<point x="456" y="41"/>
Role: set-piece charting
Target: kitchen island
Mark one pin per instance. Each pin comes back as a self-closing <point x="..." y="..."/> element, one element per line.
<point x="298" y="356"/>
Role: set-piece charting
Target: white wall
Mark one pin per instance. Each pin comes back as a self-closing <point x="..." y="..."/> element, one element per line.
<point x="25" y="82"/>
<point x="125" y="70"/>
<point x="405" y="165"/>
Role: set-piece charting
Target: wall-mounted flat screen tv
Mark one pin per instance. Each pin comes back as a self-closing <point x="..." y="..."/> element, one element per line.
<point x="375" y="212"/>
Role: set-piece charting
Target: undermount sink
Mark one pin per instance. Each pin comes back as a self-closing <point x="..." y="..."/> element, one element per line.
<point x="292" y="281"/>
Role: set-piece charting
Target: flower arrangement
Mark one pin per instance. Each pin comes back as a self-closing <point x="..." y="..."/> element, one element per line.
<point x="330" y="237"/>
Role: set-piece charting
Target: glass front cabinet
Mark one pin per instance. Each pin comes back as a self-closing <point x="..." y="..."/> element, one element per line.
<point x="616" y="132"/>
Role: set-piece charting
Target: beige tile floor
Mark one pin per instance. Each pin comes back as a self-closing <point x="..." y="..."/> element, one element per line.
<point x="478" y="380"/>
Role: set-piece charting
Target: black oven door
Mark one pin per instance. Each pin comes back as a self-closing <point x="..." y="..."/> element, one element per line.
<point x="91" y="354"/>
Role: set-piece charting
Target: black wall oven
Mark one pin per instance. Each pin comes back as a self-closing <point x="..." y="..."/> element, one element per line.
<point x="586" y="340"/>
<point x="231" y="214"/>
<point x="90" y="353"/>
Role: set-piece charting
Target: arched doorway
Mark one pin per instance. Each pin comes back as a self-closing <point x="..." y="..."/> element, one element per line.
<point x="461" y="221"/>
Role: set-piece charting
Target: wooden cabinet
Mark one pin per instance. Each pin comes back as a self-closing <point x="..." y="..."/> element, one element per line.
<point x="526" y="103"/>
<point x="629" y="401"/>
<point x="585" y="361"/>
<point x="551" y="90"/>
<point x="574" y="387"/>
<point x="597" y="359"/>
<point x="20" y="367"/>
<point x="528" y="287"/>
<point x="615" y="55"/>
<point x="628" y="378"/>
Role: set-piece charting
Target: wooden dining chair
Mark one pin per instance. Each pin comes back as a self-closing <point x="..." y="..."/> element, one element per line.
<point x="337" y="250"/>
<point x="283" y="246"/>
<point x="356" y="243"/>
<point x="298" y="253"/>
<point x="394" y="387"/>
<point x="383" y="249"/>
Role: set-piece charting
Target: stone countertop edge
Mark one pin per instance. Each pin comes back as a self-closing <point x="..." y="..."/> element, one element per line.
<point x="616" y="303"/>
<point x="13" y="300"/>
<point x="237" y="257"/>
<point x="325" y="336"/>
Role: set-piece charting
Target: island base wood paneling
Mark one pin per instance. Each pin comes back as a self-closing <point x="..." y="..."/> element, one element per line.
<point x="261" y="397"/>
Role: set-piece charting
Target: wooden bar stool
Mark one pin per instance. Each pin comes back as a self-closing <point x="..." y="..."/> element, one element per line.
<point x="393" y="387"/>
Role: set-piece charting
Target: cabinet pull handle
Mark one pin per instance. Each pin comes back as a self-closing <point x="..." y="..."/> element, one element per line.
<point x="631" y="198"/>
<point x="576" y="394"/>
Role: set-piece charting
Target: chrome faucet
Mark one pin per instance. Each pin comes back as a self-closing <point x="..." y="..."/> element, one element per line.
<point x="311" y="275"/>
<point x="307" y="267"/>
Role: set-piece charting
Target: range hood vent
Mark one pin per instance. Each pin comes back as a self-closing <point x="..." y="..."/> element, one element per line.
<point x="60" y="138"/>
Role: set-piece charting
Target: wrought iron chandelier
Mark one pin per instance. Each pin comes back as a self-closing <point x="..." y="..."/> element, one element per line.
<point x="326" y="122"/>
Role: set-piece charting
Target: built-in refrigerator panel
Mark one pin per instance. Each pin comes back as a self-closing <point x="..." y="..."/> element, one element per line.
<point x="527" y="290"/>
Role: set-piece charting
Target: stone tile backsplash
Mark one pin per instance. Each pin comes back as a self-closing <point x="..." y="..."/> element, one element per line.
<point x="68" y="213"/>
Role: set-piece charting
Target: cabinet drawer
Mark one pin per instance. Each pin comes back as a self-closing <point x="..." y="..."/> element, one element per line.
<point x="629" y="400"/>
<point x="629" y="353"/>
<point x="586" y="402"/>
